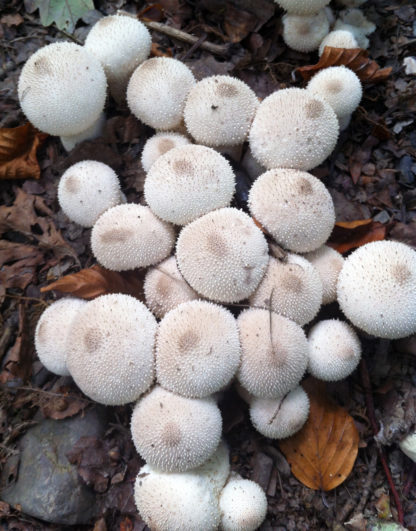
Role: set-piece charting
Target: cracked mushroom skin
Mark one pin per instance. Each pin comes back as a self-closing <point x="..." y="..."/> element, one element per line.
<point x="159" y="144"/>
<point x="328" y="262"/>
<point x="305" y="33"/>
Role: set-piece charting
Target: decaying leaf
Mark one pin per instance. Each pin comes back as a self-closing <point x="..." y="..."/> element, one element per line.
<point x="323" y="452"/>
<point x="63" y="403"/>
<point x="65" y="13"/>
<point x="352" y="234"/>
<point x="18" y="147"/>
<point x="355" y="58"/>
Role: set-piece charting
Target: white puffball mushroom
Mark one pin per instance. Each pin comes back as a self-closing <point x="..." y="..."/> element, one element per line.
<point x="293" y="129"/>
<point x="110" y="349"/>
<point x="217" y="468"/>
<point x="232" y="255"/>
<point x="219" y="111"/>
<point x="338" y="39"/>
<point x="129" y="236"/>
<point x="408" y="446"/>
<point x="278" y="418"/>
<point x="188" y="182"/>
<point x="94" y="131"/>
<point x="62" y="89"/>
<point x="328" y="262"/>
<point x="292" y="288"/>
<point x="334" y="350"/>
<point x="157" y="91"/>
<point x="174" y="433"/>
<point x="159" y="144"/>
<point x="243" y="505"/>
<point x="305" y="33"/>
<point x="377" y="289"/>
<point x="52" y="331"/>
<point x="358" y="34"/>
<point x="356" y="18"/>
<point x="294" y="207"/>
<point x="274" y="353"/>
<point x="302" y="7"/>
<point x="121" y="43"/>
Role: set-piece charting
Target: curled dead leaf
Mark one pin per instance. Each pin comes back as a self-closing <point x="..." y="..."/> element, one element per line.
<point x="352" y="234"/>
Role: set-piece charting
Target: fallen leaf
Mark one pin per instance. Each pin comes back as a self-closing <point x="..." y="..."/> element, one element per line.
<point x="13" y="19"/>
<point x="322" y="454"/>
<point x="238" y="23"/>
<point x="67" y="404"/>
<point x="18" y="146"/>
<point x="360" y="157"/>
<point x="159" y="51"/>
<point x="355" y="58"/>
<point x="151" y="13"/>
<point x="65" y="13"/>
<point x="351" y="234"/>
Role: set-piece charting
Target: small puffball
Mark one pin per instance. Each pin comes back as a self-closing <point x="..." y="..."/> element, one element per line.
<point x="334" y="350"/>
<point x="328" y="262"/>
<point x="358" y="34"/>
<point x="110" y="349"/>
<point x="174" y="433"/>
<point x="302" y="7"/>
<point x="356" y="18"/>
<point x="217" y="468"/>
<point x="338" y="39"/>
<point x="129" y="236"/>
<point x="243" y="505"/>
<point x="159" y="144"/>
<point x="408" y="446"/>
<point x="278" y="418"/>
<point x="52" y="331"/>
<point x="305" y="33"/>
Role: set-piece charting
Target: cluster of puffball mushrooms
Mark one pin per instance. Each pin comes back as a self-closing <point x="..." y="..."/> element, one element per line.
<point x="176" y="353"/>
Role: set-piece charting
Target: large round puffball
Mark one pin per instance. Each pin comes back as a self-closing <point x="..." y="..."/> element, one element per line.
<point x="293" y="129"/>
<point x="62" y="89"/>
<point x="52" y="331"/>
<point x="174" y="433"/>
<point x="110" y="349"/>
<point x="302" y="7"/>
<point x="159" y="144"/>
<point x="304" y="33"/>
<point x="86" y="190"/>
<point x="377" y="289"/>
<point x="328" y="262"/>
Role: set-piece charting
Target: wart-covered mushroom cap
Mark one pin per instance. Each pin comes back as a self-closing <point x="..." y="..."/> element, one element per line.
<point x="304" y="33"/>
<point x="328" y="262"/>
<point x="302" y="7"/>
<point x="159" y="144"/>
<point x="338" y="39"/>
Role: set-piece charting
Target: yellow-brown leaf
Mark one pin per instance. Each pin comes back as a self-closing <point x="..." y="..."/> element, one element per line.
<point x="352" y="234"/>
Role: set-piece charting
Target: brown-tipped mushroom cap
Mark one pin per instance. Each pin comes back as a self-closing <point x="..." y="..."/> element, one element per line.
<point x="328" y="262"/>
<point x="302" y="7"/>
<point x="305" y="33"/>
<point x="159" y="144"/>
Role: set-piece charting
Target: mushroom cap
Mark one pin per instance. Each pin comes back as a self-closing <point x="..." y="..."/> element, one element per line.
<point x="328" y="262"/>
<point x="338" y="39"/>
<point x="292" y="288"/>
<point x="377" y="289"/>
<point x="356" y="18"/>
<point x="274" y="353"/>
<point x="129" y="236"/>
<point x="231" y="259"/>
<point x="408" y="446"/>
<point x="339" y="86"/>
<point x="110" y="349"/>
<point x="293" y="129"/>
<point x="359" y="35"/>
<point x="159" y="144"/>
<point x="302" y="7"/>
<point x="197" y="349"/>
<point x="120" y="43"/>
<point x="278" y="418"/>
<point x="176" y="502"/>
<point x="219" y="111"/>
<point x="305" y="33"/>
<point x="165" y="288"/>
<point x="294" y="207"/>
<point x="216" y="468"/>
<point x="94" y="131"/>
<point x="62" y="89"/>
<point x="334" y="350"/>
<point x="188" y="182"/>
<point x="243" y="505"/>
<point x="157" y="91"/>
<point x="174" y="433"/>
<point x="86" y="190"/>
<point x="52" y="331"/>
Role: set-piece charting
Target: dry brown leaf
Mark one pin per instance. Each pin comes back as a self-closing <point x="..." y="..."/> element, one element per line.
<point x="159" y="51"/>
<point x="18" y="147"/>
<point x="351" y="234"/>
<point x="63" y="406"/>
<point x="355" y="58"/>
<point x="322" y="454"/>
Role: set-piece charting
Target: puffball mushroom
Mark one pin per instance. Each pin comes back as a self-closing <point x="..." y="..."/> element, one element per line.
<point x="377" y="289"/>
<point x="110" y="349"/>
<point x="159" y="144"/>
<point x="62" y="89"/>
<point x="232" y="255"/>
<point x="94" y="131"/>
<point x="174" y="433"/>
<point x="334" y="350"/>
<point x="338" y="39"/>
<point x="130" y="236"/>
<point x="243" y="505"/>
<point x="197" y="349"/>
<point x="278" y="418"/>
<point x="305" y="33"/>
<point x="356" y="18"/>
<point x="86" y="190"/>
<point x="408" y="446"/>
<point x="217" y="468"/>
<point x="328" y="262"/>
<point x="219" y="111"/>
<point x="294" y="207"/>
<point x="157" y="91"/>
<point x="188" y="182"/>
<point x="120" y="43"/>
<point x="52" y="331"/>
<point x="292" y="288"/>
<point x="293" y="129"/>
<point x="302" y="7"/>
<point x="359" y="35"/>
<point x="274" y="353"/>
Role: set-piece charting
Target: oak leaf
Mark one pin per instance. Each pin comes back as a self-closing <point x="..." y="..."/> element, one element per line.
<point x="352" y="234"/>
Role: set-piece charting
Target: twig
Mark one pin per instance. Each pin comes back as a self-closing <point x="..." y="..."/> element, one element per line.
<point x="365" y="492"/>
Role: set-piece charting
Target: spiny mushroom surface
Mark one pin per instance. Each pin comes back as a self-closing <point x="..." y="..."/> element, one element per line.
<point x="302" y="7"/>
<point x="188" y="182"/>
<point x="328" y="262"/>
<point x="174" y="433"/>
<point x="231" y="259"/>
<point x="274" y="353"/>
<point x="359" y="35"/>
<point x="197" y="349"/>
<point x="159" y="144"/>
<point x="293" y="129"/>
<point x="219" y="111"/>
<point x="110" y="349"/>
<point x="305" y="33"/>
<point x="338" y="39"/>
<point x="377" y="289"/>
<point x="217" y="468"/>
